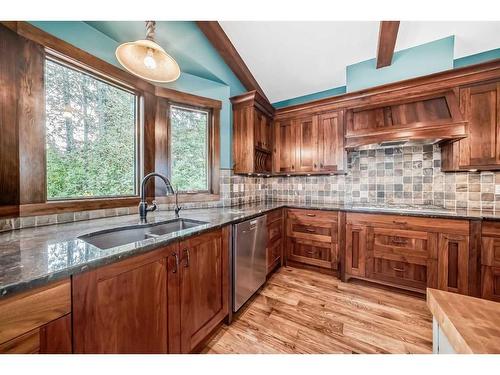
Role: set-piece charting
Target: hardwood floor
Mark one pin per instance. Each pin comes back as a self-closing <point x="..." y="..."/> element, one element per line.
<point x="300" y="311"/>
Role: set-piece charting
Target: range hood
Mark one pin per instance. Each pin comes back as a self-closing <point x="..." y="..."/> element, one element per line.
<point x="424" y="119"/>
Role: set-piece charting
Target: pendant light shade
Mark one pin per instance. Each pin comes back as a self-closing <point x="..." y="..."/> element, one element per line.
<point x="146" y="59"/>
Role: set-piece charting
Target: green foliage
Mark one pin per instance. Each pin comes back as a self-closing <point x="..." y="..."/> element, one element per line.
<point x="90" y="134"/>
<point x="189" y="135"/>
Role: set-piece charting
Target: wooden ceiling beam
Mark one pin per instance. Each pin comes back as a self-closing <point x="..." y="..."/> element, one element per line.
<point x="216" y="35"/>
<point x="388" y="32"/>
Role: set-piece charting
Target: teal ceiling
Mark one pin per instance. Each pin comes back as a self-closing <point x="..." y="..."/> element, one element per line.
<point x="183" y="40"/>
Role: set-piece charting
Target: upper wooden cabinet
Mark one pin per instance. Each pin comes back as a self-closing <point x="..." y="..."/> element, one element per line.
<point x="309" y="144"/>
<point x="433" y="116"/>
<point x="252" y="133"/>
<point x="480" y="105"/>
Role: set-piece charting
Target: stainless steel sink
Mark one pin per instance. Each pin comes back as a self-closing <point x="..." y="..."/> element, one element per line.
<point x="107" y="239"/>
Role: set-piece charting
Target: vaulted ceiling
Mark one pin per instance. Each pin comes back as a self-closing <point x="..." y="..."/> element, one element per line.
<point x="291" y="59"/>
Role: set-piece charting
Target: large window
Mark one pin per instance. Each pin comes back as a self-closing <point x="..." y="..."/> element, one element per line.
<point x="189" y="149"/>
<point x="91" y="135"/>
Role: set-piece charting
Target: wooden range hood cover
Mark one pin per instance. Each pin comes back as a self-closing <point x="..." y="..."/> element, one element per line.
<point x="434" y="116"/>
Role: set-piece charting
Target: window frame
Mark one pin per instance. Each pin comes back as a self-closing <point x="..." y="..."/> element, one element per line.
<point x="209" y="135"/>
<point x="70" y="63"/>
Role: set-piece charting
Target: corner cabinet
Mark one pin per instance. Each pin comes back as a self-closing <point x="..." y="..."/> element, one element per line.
<point x="252" y="134"/>
<point x="309" y="144"/>
<point x="480" y="105"/>
<point x="164" y="301"/>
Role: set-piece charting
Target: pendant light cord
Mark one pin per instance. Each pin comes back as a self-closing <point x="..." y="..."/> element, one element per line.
<point x="150" y="30"/>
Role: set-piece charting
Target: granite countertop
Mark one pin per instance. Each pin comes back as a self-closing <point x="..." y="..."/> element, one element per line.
<point x="32" y="257"/>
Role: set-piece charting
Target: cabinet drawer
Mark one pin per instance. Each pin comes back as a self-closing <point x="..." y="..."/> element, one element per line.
<point x="30" y="310"/>
<point x="310" y="252"/>
<point x="274" y="231"/>
<point x="313" y="215"/>
<point x="401" y="273"/>
<point x="315" y="231"/>
<point x="401" y="245"/>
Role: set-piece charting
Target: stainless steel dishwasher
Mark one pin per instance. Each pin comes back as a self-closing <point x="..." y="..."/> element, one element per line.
<point x="249" y="259"/>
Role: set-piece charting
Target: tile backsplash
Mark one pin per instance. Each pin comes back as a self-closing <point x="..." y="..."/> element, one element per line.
<point x="398" y="175"/>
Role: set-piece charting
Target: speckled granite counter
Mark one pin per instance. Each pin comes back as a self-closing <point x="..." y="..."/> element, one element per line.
<point x="36" y="256"/>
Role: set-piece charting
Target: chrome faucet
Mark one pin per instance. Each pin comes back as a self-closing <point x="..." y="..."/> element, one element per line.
<point x="143" y="204"/>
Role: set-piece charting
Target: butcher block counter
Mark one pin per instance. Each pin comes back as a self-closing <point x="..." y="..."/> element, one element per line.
<point x="463" y="324"/>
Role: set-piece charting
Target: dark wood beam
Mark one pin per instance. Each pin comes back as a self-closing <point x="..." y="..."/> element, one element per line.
<point x="216" y="35"/>
<point x="387" y="35"/>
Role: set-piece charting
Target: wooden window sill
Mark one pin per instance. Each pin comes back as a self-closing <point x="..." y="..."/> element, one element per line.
<point x="189" y="198"/>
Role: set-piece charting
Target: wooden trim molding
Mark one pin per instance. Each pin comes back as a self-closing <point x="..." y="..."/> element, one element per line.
<point x="400" y="90"/>
<point x="58" y="207"/>
<point x="186" y="98"/>
<point x="216" y="35"/>
<point x="387" y="35"/>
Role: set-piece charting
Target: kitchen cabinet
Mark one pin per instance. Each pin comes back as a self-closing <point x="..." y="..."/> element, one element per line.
<point x="284" y="147"/>
<point x="204" y="278"/>
<point x="252" y="133"/>
<point x="165" y="301"/>
<point x="480" y="104"/>
<point x="490" y="261"/>
<point x="331" y="154"/>
<point x="312" y="238"/>
<point x="274" y="247"/>
<point x="37" y="321"/>
<point x="309" y="144"/>
<point x="409" y="252"/>
<point x="122" y="307"/>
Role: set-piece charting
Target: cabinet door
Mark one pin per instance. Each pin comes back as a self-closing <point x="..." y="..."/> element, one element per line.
<point x="203" y="287"/>
<point x="453" y="263"/>
<point x="330" y="142"/>
<point x="306" y="144"/>
<point x="490" y="263"/>
<point x="481" y="105"/>
<point x="262" y="130"/>
<point x="122" y="307"/>
<point x="284" y="147"/>
<point x="355" y="249"/>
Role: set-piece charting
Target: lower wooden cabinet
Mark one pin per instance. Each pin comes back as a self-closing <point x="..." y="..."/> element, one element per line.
<point x="490" y="261"/>
<point x="409" y="252"/>
<point x="37" y="321"/>
<point x="204" y="300"/>
<point x="274" y="239"/>
<point x="164" y="301"/>
<point x="312" y="238"/>
<point x="122" y="307"/>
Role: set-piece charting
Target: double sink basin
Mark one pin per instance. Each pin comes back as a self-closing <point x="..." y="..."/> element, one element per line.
<point x="107" y="239"/>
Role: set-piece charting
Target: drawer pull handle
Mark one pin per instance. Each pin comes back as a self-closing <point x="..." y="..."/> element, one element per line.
<point x="311" y="252"/>
<point x="400" y="222"/>
<point x="399" y="242"/>
<point x="311" y="215"/>
<point x="398" y="269"/>
<point x="311" y="230"/>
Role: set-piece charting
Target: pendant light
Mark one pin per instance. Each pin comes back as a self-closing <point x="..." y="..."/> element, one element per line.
<point x="146" y="59"/>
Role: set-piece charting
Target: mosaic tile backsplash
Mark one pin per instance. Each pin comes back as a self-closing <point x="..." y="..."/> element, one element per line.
<point x="399" y="175"/>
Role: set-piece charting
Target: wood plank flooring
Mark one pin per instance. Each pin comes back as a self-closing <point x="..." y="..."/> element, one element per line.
<point x="301" y="311"/>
